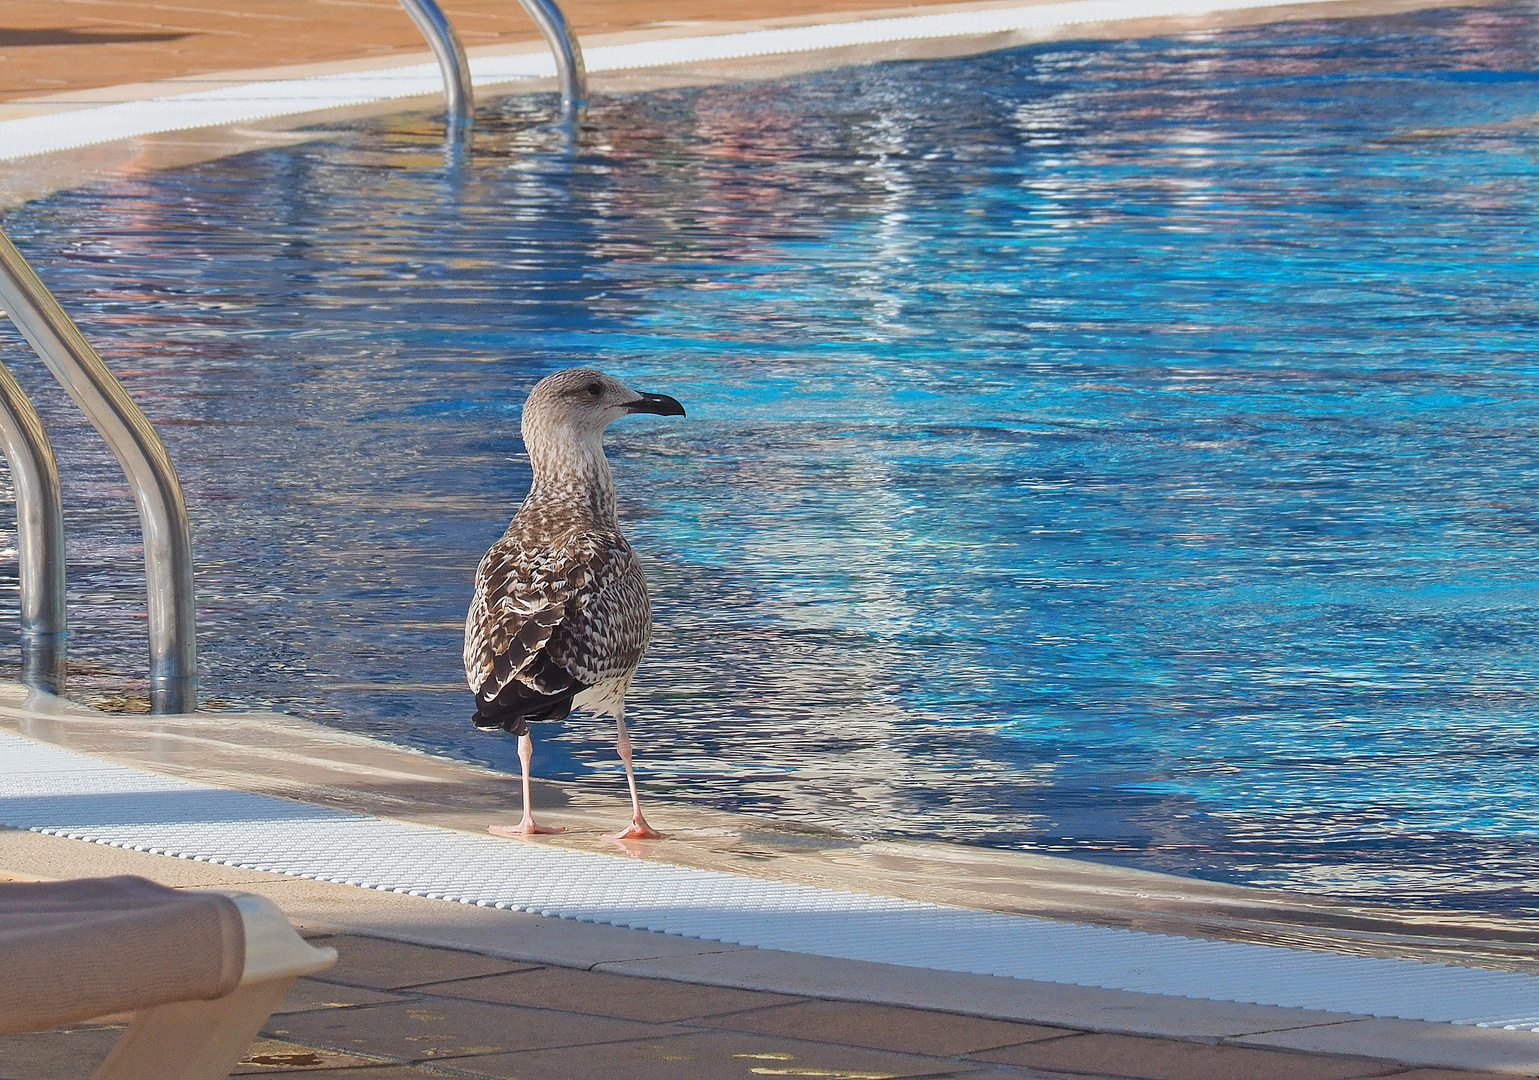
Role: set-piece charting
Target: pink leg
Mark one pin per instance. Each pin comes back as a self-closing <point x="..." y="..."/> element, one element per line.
<point x="526" y="827"/>
<point x="639" y="829"/>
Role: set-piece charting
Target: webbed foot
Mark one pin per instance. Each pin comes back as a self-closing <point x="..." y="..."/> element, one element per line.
<point x="527" y="827"/>
<point x="638" y="830"/>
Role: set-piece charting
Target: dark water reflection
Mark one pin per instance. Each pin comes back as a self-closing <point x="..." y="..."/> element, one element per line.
<point x="1123" y="449"/>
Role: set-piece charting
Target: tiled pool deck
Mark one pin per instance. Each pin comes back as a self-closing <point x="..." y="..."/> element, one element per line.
<point x="557" y="997"/>
<point x="428" y="987"/>
<point x="394" y="1009"/>
<point x="497" y="994"/>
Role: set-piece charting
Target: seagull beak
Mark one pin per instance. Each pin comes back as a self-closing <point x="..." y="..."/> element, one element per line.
<point x="661" y="404"/>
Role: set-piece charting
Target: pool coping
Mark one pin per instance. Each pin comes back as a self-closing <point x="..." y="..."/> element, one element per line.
<point x="23" y="179"/>
<point x="274" y="754"/>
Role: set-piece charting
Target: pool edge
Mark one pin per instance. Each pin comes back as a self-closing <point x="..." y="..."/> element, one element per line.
<point x="279" y="755"/>
<point x="325" y="907"/>
<point x="25" y="179"/>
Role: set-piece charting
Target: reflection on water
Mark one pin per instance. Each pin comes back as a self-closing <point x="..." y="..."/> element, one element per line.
<point x="1122" y="449"/>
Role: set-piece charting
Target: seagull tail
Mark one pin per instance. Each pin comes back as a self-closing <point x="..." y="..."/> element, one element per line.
<point x="517" y="705"/>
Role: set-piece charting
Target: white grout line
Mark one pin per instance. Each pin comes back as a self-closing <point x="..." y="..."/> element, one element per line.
<point x="262" y="100"/>
<point x="51" y="790"/>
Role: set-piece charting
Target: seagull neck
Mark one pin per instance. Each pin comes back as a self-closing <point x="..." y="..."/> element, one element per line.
<point x="574" y="475"/>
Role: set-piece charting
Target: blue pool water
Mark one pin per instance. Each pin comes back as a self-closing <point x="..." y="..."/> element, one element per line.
<point x="1118" y="449"/>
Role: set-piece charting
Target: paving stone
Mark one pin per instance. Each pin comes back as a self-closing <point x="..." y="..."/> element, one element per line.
<point x="1055" y="1004"/>
<point x="448" y="1028"/>
<point x="265" y="1056"/>
<point x="365" y="1072"/>
<point x="709" y="1056"/>
<point x="50" y="1055"/>
<point x="378" y="964"/>
<point x="1443" y="1074"/>
<point x="307" y="995"/>
<point x="1427" y="1045"/>
<point x="600" y="994"/>
<point x="886" y="1027"/>
<point x="1169" y="1059"/>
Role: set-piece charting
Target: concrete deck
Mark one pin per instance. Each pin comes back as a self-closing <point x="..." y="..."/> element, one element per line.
<point x="55" y="46"/>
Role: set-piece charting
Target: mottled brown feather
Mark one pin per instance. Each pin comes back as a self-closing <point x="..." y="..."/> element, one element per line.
<point x="557" y="614"/>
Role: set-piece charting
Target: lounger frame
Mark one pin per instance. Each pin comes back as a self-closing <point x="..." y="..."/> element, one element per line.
<point x="204" y="1040"/>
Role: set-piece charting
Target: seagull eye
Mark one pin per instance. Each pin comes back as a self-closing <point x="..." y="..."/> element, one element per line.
<point x="593" y="388"/>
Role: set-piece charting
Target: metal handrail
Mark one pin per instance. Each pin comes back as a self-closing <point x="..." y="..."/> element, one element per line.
<point x="570" y="70"/>
<point x="39" y="537"/>
<point x="459" y="98"/>
<point x="147" y="465"/>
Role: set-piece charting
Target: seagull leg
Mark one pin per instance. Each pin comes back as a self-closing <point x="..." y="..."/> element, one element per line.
<point x="526" y="827"/>
<point x="639" y="829"/>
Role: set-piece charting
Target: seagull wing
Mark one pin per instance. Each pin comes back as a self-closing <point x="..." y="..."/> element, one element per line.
<point x="609" y="621"/>
<point x="548" y="621"/>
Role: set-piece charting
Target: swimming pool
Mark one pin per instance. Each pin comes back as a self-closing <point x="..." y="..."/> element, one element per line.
<point x="1116" y="449"/>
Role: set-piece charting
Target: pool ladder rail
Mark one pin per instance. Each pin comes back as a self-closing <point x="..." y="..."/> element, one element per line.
<point x="132" y="438"/>
<point x="459" y="96"/>
<point x="39" y="510"/>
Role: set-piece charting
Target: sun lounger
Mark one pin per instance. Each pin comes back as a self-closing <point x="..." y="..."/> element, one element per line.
<point x="201" y="971"/>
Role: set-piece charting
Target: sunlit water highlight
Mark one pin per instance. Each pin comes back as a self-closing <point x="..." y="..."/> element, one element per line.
<point x="1119" y="449"/>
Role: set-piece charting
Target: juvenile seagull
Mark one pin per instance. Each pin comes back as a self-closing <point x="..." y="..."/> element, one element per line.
<point x="560" y="615"/>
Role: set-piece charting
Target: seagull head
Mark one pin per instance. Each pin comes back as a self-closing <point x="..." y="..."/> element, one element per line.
<point x="582" y="402"/>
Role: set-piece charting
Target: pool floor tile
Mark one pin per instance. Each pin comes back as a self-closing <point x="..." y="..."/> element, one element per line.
<point x="1168" y="1059"/>
<point x="596" y="993"/>
<point x="710" y="1056"/>
<point x="447" y="1028"/>
<point x="376" y="964"/>
<point x="887" y="1027"/>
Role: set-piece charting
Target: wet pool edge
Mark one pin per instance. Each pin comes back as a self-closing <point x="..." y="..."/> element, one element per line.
<point x="278" y="755"/>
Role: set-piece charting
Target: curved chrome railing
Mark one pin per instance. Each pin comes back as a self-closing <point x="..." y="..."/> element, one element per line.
<point x="133" y="441"/>
<point x="570" y="70"/>
<point x="39" y="537"/>
<point x="459" y="98"/>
